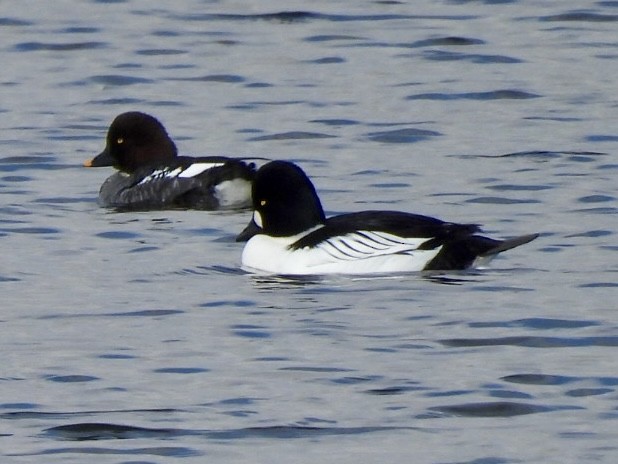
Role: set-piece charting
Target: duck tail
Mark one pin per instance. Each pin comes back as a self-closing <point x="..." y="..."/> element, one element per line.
<point x="504" y="245"/>
<point x="473" y="251"/>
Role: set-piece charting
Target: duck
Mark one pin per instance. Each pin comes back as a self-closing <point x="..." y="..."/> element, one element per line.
<point x="151" y="175"/>
<point x="289" y="234"/>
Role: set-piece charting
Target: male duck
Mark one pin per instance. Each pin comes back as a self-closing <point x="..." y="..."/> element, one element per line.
<point x="290" y="235"/>
<point x="152" y="175"/>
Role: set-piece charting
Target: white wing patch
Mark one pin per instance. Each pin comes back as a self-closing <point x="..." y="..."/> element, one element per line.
<point x="168" y="173"/>
<point x="160" y="174"/>
<point x="198" y="168"/>
<point x="369" y="244"/>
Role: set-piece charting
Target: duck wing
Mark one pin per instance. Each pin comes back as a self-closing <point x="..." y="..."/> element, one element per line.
<point x="187" y="183"/>
<point x="424" y="231"/>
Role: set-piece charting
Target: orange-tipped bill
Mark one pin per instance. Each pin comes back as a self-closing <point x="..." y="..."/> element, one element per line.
<point x="102" y="159"/>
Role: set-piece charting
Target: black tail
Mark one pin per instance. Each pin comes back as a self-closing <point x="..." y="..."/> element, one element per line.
<point x="504" y="245"/>
<point x="462" y="253"/>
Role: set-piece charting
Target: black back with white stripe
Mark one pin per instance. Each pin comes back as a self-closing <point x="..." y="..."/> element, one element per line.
<point x="196" y="183"/>
<point x="288" y="204"/>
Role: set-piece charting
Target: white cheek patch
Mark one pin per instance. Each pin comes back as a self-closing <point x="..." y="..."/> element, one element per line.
<point x="198" y="168"/>
<point x="257" y="218"/>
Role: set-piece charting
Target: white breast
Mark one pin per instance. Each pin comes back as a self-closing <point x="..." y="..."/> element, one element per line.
<point x="358" y="253"/>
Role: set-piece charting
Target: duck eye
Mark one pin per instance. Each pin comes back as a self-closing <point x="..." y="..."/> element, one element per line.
<point x="262" y="202"/>
<point x="119" y="140"/>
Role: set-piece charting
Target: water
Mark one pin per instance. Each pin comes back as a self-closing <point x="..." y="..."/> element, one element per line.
<point x="134" y="337"/>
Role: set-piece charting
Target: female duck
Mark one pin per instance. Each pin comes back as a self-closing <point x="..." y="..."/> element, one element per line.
<point x="152" y="175"/>
<point x="290" y="235"/>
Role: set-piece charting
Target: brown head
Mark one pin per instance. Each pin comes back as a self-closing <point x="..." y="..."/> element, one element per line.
<point x="135" y="139"/>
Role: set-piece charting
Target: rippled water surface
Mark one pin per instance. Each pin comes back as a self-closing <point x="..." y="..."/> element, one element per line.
<point x="135" y="338"/>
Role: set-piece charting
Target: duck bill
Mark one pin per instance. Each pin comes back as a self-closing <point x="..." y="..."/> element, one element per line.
<point x="102" y="159"/>
<point x="249" y="231"/>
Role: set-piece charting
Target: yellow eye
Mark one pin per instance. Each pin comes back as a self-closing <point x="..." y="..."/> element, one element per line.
<point x="119" y="140"/>
<point x="262" y="202"/>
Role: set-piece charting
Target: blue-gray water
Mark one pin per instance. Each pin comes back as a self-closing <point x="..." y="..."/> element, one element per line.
<point x="134" y="337"/>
